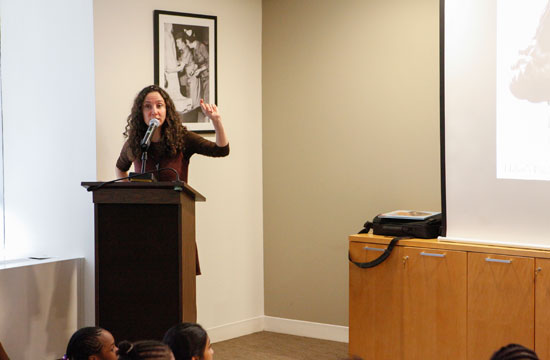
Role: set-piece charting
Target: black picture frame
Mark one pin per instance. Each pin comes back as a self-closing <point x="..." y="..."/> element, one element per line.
<point x="185" y="58"/>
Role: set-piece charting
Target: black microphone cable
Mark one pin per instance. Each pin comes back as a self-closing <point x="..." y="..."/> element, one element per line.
<point x="96" y="187"/>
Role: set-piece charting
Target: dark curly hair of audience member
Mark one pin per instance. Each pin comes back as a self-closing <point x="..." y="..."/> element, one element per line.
<point x="84" y="343"/>
<point x="514" y="352"/>
<point x="144" y="350"/>
<point x="186" y="340"/>
<point x="3" y="355"/>
<point x="172" y="130"/>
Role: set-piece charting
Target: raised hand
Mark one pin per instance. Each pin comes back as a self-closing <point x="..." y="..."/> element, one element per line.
<point x="211" y="110"/>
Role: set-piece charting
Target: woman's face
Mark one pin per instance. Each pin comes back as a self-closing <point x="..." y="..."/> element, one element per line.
<point x="108" y="347"/>
<point x="180" y="44"/>
<point x="191" y="44"/>
<point x="154" y="107"/>
<point x="208" y="351"/>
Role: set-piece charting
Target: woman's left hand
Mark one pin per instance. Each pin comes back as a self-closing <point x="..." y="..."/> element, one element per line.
<point x="211" y="110"/>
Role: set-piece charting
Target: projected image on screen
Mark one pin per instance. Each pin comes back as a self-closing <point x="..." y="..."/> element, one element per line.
<point x="496" y="122"/>
<point x="523" y="89"/>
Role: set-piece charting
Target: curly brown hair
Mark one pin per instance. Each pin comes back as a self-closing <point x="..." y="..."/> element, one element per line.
<point x="172" y="130"/>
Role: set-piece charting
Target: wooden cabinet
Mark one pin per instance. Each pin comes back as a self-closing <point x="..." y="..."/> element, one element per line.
<point x="436" y="300"/>
<point x="501" y="302"/>
<point x="375" y="294"/>
<point x="412" y="306"/>
<point x="542" y="308"/>
<point x="434" y="304"/>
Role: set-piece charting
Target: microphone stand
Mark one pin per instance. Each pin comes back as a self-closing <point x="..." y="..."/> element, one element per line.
<point x="145" y="143"/>
<point x="144" y="158"/>
<point x="144" y="177"/>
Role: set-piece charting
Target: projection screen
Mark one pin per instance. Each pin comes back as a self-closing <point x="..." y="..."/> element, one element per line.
<point x="496" y="121"/>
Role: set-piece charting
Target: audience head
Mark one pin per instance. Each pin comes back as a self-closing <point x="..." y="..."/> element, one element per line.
<point x="144" y="350"/>
<point x="91" y="343"/>
<point x="514" y="352"/>
<point x="189" y="341"/>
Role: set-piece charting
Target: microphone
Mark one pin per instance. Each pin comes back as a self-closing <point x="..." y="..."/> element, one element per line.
<point x="153" y="125"/>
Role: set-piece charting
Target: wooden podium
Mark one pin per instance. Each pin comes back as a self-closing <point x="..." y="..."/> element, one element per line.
<point x="145" y="257"/>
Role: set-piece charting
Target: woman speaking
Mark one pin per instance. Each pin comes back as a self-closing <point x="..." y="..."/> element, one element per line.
<point x="172" y="145"/>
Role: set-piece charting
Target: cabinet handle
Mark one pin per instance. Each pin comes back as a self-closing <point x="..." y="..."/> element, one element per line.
<point x="373" y="249"/>
<point x="432" y="255"/>
<point x="498" y="261"/>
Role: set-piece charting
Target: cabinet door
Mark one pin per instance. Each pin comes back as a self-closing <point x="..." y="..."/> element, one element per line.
<point x="375" y="300"/>
<point x="501" y="303"/>
<point x="542" y="306"/>
<point x="434" y="304"/>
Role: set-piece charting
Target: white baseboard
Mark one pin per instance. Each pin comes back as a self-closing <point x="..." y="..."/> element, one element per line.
<point x="279" y="325"/>
<point x="236" y="329"/>
<point x="306" y="328"/>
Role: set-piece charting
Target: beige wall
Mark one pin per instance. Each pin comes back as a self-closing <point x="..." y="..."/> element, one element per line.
<point x="229" y="224"/>
<point x="350" y="129"/>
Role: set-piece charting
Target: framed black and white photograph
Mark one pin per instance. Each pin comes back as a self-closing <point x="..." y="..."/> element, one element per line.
<point x="185" y="63"/>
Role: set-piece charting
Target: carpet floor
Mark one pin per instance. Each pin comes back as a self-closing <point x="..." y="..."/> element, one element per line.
<point x="274" y="346"/>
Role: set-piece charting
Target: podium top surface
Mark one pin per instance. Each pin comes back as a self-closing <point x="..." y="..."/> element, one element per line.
<point x="138" y="185"/>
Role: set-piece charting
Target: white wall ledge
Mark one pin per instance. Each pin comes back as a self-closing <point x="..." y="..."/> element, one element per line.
<point x="32" y="261"/>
